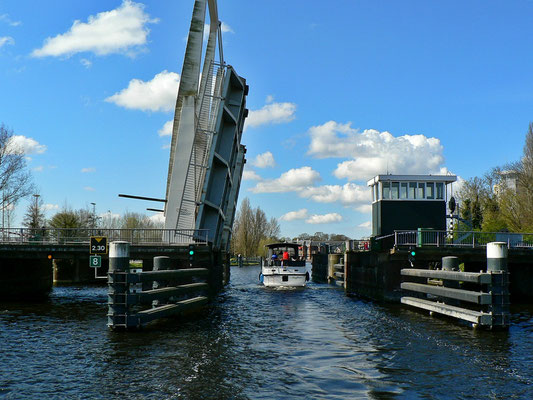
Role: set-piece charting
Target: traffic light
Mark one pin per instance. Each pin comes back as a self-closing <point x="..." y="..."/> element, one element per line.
<point x="191" y="254"/>
<point x="411" y="256"/>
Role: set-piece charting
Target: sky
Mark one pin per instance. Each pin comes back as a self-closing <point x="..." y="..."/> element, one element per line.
<point x="340" y="91"/>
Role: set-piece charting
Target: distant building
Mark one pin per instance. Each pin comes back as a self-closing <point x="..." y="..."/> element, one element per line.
<point x="508" y="180"/>
<point x="307" y="248"/>
<point x="408" y="202"/>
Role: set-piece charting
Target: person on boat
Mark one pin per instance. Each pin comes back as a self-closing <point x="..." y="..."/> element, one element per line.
<point x="284" y="258"/>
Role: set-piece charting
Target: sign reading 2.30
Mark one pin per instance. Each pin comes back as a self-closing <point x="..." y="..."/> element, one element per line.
<point x="98" y="245"/>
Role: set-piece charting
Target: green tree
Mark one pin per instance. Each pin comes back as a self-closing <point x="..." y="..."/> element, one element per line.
<point x="34" y="217"/>
<point x="338" y="237"/>
<point x="477" y="215"/>
<point x="503" y="198"/>
<point x="493" y="220"/>
<point x="65" y="219"/>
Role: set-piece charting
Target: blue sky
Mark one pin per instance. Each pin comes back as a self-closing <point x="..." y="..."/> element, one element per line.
<point x="339" y="91"/>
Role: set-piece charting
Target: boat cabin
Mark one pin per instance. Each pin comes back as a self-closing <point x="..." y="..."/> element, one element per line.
<point x="284" y="254"/>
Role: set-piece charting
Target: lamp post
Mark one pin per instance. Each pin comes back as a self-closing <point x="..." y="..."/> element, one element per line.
<point x="36" y="211"/>
<point x="94" y="215"/>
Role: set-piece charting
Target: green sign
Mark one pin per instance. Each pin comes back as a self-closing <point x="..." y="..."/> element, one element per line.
<point x="95" y="261"/>
<point x="98" y="245"/>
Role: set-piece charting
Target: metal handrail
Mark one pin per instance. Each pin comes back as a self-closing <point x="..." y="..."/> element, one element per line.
<point x="135" y="236"/>
<point x="474" y="239"/>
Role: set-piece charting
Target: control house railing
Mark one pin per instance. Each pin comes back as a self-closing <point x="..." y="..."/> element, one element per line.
<point x="435" y="238"/>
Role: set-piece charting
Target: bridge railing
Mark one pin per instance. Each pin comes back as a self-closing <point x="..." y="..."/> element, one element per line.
<point x="83" y="235"/>
<point x="436" y="238"/>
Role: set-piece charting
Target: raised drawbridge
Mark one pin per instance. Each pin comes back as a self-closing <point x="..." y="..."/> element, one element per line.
<point x="206" y="154"/>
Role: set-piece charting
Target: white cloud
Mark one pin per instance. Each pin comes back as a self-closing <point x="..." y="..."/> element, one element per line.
<point x="269" y="99"/>
<point x="88" y="170"/>
<point x="122" y="30"/>
<point x="40" y="168"/>
<point x="166" y="130"/>
<point x="86" y="63"/>
<point x="349" y="194"/>
<point x="89" y="189"/>
<point x="366" y="224"/>
<point x="372" y="152"/>
<point x="273" y="113"/>
<point x="293" y="180"/>
<point x="159" y="94"/>
<point x="264" y="160"/>
<point x="249" y="175"/>
<point x="365" y="208"/>
<point x="294" y="215"/>
<point x="158" y="218"/>
<point x="109" y="215"/>
<point x="225" y="28"/>
<point x="323" y="219"/>
<point x="23" y="144"/>
<point x="166" y="146"/>
<point x="5" y="18"/>
<point x="6" y="40"/>
<point x="50" y="207"/>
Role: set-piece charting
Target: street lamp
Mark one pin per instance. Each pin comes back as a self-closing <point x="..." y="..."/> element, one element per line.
<point x="35" y="213"/>
<point x="94" y="215"/>
<point x="36" y="209"/>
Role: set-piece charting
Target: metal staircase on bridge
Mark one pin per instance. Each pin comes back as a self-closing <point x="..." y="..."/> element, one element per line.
<point x="198" y="162"/>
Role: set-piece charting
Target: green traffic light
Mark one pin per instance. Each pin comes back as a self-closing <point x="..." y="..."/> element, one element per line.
<point x="413" y="253"/>
<point x="191" y="252"/>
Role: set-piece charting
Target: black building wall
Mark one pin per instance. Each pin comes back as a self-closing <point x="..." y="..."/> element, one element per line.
<point x="391" y="215"/>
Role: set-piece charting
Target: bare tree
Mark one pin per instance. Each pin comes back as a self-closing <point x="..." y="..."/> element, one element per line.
<point x="273" y="230"/>
<point x="133" y="220"/>
<point x="15" y="179"/>
<point x="252" y="230"/>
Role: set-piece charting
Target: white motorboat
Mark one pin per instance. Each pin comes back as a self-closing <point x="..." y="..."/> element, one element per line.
<point x="283" y="266"/>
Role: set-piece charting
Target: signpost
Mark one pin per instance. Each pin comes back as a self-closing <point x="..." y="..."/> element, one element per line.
<point x="98" y="245"/>
<point x="95" y="261"/>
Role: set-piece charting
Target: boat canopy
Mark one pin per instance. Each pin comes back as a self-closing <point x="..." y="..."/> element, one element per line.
<point x="291" y="248"/>
<point x="283" y="244"/>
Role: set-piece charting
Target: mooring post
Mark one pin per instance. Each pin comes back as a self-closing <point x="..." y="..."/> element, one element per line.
<point x="332" y="260"/>
<point x="451" y="263"/>
<point x="161" y="263"/>
<point x="119" y="262"/>
<point x="499" y="286"/>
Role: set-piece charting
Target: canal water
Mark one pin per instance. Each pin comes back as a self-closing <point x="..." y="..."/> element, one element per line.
<point x="258" y="343"/>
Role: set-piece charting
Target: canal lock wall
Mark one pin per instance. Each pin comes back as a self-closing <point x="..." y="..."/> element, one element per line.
<point x="376" y="274"/>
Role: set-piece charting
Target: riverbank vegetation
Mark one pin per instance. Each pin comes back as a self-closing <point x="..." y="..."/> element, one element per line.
<point x="252" y="230"/>
<point x="502" y="199"/>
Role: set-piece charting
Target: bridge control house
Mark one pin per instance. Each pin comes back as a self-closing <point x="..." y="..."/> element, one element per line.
<point x="408" y="202"/>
